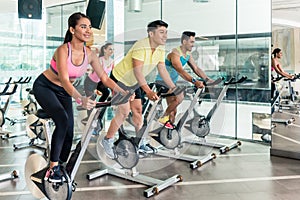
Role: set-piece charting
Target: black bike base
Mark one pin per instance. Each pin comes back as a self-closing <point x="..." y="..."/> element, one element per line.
<point x="38" y="179"/>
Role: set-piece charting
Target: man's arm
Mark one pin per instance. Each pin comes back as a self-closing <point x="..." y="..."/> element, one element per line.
<point x="197" y="69"/>
<point x="174" y="57"/>
<point x="280" y="71"/>
<point x="137" y="69"/>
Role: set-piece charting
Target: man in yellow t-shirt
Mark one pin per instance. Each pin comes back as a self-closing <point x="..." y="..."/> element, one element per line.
<point x="143" y="57"/>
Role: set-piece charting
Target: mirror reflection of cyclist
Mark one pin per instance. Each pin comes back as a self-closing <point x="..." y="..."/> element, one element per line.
<point x="276" y="69"/>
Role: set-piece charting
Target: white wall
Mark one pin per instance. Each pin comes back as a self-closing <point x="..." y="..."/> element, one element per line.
<point x="255" y="16"/>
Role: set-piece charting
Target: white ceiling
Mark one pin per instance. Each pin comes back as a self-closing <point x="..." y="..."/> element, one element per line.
<point x="285" y="13"/>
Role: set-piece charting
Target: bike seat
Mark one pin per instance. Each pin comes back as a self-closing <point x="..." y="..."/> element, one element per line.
<point x="42" y="114"/>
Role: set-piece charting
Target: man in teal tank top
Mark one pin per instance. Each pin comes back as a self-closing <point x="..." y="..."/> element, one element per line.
<point x="175" y="62"/>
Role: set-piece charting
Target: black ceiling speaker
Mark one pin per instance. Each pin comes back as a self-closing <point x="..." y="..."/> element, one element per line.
<point x="95" y="11"/>
<point x="30" y="9"/>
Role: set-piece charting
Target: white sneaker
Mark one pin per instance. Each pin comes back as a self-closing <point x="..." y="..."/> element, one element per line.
<point x="108" y="144"/>
<point x="145" y="147"/>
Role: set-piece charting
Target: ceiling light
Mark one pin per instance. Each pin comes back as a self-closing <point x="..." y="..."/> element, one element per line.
<point x="135" y="5"/>
<point x="201" y="1"/>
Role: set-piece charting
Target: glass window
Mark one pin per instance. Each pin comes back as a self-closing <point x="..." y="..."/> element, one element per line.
<point x="22" y="46"/>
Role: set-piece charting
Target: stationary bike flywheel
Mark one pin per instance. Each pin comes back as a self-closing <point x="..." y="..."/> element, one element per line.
<point x="126" y="154"/>
<point x="200" y="126"/>
<point x="58" y="191"/>
<point x="34" y="163"/>
<point x="169" y="138"/>
<point x="2" y="118"/>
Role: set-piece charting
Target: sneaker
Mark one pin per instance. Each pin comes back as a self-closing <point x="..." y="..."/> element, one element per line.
<point x="163" y="120"/>
<point x="107" y="144"/>
<point x="95" y="133"/>
<point x="169" y="125"/>
<point x="98" y="128"/>
<point x="145" y="148"/>
<point x="54" y="175"/>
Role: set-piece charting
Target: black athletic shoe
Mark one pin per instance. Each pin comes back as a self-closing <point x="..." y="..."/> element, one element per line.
<point x="54" y="175"/>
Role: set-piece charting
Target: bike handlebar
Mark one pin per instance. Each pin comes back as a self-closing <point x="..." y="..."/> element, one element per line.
<point x="296" y="76"/>
<point x="174" y="92"/>
<point x="232" y="80"/>
<point x="7" y="86"/>
<point x="11" y="92"/>
<point x="117" y="99"/>
<point x="216" y="82"/>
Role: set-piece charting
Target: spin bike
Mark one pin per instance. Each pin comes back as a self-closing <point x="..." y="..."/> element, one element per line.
<point x="127" y="155"/>
<point x="287" y="104"/>
<point x="7" y="134"/>
<point x="36" y="127"/>
<point x="199" y="126"/>
<point x="171" y="139"/>
<point x="29" y="105"/>
<point x="15" y="173"/>
<point x="15" y="85"/>
<point x="36" y="165"/>
<point x="9" y="89"/>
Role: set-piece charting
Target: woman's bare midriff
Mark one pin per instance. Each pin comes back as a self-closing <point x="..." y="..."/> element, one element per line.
<point x="51" y="76"/>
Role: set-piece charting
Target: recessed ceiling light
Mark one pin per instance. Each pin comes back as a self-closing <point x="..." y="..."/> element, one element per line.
<point x="201" y="1"/>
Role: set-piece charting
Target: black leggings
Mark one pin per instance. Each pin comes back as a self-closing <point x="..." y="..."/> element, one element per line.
<point x="273" y="88"/>
<point x="57" y="103"/>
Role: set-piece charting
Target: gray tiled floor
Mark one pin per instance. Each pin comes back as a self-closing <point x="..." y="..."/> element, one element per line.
<point x="248" y="172"/>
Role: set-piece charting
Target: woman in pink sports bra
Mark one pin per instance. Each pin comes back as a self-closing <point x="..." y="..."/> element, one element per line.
<point x="276" y="65"/>
<point x="276" y="68"/>
<point x="53" y="89"/>
<point x="93" y="82"/>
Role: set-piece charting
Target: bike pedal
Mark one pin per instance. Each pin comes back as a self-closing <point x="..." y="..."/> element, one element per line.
<point x="74" y="186"/>
<point x="143" y="155"/>
<point x="154" y="150"/>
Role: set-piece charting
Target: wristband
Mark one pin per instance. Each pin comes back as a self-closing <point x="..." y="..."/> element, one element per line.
<point x="79" y="101"/>
<point x="206" y="79"/>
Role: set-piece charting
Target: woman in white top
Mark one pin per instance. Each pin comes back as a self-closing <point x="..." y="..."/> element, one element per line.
<point x="93" y="82"/>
